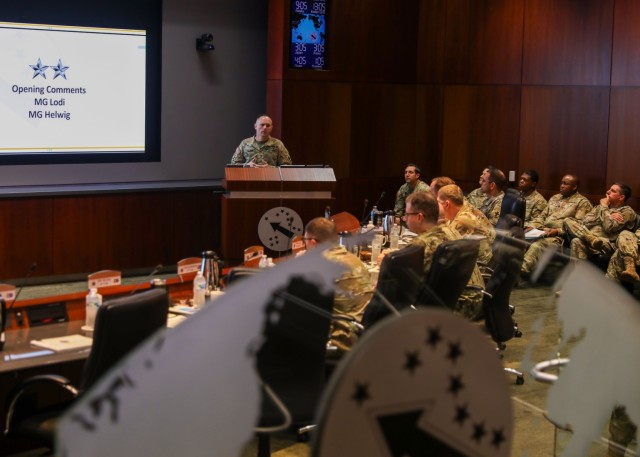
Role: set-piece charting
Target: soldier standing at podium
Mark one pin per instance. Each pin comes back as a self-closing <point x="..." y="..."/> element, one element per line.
<point x="262" y="150"/>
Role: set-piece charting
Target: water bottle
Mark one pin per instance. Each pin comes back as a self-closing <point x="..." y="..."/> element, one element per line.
<point x="394" y="237"/>
<point x="199" y="289"/>
<point x="264" y="263"/>
<point x="374" y="215"/>
<point x="94" y="300"/>
<point x="376" y="248"/>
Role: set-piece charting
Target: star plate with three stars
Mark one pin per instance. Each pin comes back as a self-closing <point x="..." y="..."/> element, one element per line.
<point x="427" y="383"/>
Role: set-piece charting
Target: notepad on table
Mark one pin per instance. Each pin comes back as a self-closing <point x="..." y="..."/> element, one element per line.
<point x="64" y="343"/>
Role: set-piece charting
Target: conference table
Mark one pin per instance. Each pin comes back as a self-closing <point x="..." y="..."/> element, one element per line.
<point x="19" y="354"/>
<point x="22" y="360"/>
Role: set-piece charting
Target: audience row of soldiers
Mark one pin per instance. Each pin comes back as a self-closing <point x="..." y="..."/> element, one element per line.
<point x="567" y="218"/>
<point x="439" y="212"/>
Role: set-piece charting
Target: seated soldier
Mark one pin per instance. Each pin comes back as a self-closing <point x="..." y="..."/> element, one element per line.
<point x="536" y="203"/>
<point x="492" y="184"/>
<point x="421" y="216"/>
<point x="477" y="197"/>
<point x="353" y="289"/>
<point x="622" y="265"/>
<point x="413" y="183"/>
<point x="599" y="230"/>
<point x="568" y="203"/>
<point x="439" y="182"/>
<point x="466" y="219"/>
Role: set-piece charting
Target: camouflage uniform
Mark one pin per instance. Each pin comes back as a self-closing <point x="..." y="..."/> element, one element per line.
<point x="272" y="152"/>
<point x="470" y="301"/>
<point x="599" y="223"/>
<point x="491" y="208"/>
<point x="476" y="198"/>
<point x="626" y="246"/>
<point x="622" y="430"/>
<point x="557" y="210"/>
<point x="404" y="192"/>
<point x="536" y="204"/>
<point x="471" y="221"/>
<point x="353" y="292"/>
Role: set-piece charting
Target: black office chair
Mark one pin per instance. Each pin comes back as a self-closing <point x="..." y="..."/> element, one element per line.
<point x="121" y="325"/>
<point x="239" y="273"/>
<point x="515" y="205"/>
<point x="291" y="361"/>
<point x="508" y="256"/>
<point x="398" y="284"/>
<point x="451" y="268"/>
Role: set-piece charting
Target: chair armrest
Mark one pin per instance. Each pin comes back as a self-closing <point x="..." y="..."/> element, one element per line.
<point x="352" y="320"/>
<point x="478" y="288"/>
<point x="485" y="270"/>
<point x="16" y="392"/>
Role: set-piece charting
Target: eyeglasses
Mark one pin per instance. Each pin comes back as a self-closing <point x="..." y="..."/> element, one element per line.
<point x="411" y="214"/>
<point x="309" y="239"/>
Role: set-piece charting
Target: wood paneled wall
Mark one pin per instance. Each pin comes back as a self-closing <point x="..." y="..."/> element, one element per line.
<point x="454" y="85"/>
<point x="85" y="233"/>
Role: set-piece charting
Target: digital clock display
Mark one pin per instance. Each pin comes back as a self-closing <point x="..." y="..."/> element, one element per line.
<point x="308" y="30"/>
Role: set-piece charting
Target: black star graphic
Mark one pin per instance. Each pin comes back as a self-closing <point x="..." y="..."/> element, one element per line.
<point x="433" y="337"/>
<point x="454" y="352"/>
<point x="361" y="393"/>
<point x="461" y="415"/>
<point x="455" y="384"/>
<point x="498" y="438"/>
<point x="478" y="432"/>
<point x="413" y="361"/>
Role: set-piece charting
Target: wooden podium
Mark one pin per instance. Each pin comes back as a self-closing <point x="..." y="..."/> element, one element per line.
<point x="257" y="204"/>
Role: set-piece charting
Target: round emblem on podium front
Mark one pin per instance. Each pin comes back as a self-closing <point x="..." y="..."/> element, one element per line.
<point x="278" y="226"/>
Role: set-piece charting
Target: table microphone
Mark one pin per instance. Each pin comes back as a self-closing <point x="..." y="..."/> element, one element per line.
<point x="3" y="305"/>
<point x="3" y="320"/>
<point x="380" y="198"/>
<point x="154" y="272"/>
<point x="375" y="205"/>
<point x="364" y="211"/>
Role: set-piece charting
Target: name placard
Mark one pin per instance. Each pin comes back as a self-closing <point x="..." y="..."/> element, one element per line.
<point x="7" y="292"/>
<point x="105" y="278"/>
<point x="189" y="265"/>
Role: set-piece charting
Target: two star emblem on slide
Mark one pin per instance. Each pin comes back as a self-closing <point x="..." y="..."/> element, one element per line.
<point x="39" y="69"/>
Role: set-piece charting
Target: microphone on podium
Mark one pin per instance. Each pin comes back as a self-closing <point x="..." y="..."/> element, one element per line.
<point x="3" y="305"/>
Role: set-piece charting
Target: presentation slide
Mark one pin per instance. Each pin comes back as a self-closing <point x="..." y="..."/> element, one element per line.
<point x="67" y="89"/>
